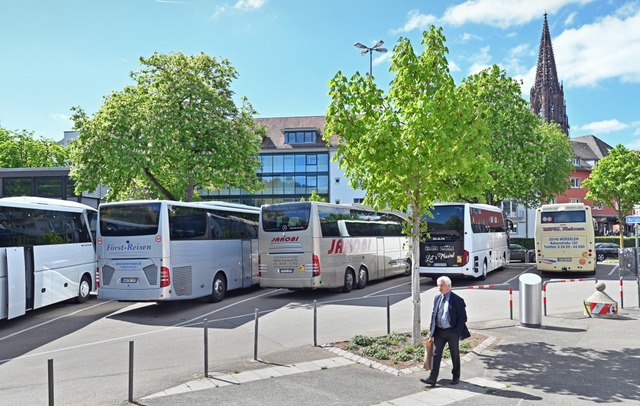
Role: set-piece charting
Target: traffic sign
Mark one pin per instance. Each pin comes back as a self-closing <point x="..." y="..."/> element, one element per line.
<point x="633" y="219"/>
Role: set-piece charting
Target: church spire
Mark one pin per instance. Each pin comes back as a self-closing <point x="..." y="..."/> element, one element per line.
<point x="547" y="94"/>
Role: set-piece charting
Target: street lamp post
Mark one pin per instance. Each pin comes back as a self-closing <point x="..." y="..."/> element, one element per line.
<point x="369" y="50"/>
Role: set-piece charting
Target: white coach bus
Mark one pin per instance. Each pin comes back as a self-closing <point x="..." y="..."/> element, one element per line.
<point x="310" y="245"/>
<point x="47" y="253"/>
<point x="160" y="250"/>
<point x="464" y="239"/>
<point x="565" y="238"/>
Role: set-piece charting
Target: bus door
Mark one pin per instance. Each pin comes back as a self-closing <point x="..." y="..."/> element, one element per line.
<point x="382" y="259"/>
<point x="247" y="263"/>
<point x="16" y="282"/>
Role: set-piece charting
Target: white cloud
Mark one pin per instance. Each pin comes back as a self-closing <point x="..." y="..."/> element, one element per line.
<point x="468" y="37"/>
<point x="453" y="67"/>
<point x="503" y="13"/>
<point x="603" y="127"/>
<point x="480" y="61"/>
<point x="416" y="21"/>
<point x="60" y="117"/>
<point x="246" y="5"/>
<point x="381" y="58"/>
<point x="570" y="18"/>
<point x="607" y="49"/>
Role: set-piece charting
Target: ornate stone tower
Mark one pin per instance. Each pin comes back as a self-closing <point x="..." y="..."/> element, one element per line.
<point x="547" y="94"/>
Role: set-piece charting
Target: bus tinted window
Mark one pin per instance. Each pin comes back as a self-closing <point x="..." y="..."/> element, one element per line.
<point x="130" y="219"/>
<point x="550" y="217"/>
<point x="21" y="226"/>
<point x="284" y="217"/>
<point x="187" y="223"/>
<point x="446" y="218"/>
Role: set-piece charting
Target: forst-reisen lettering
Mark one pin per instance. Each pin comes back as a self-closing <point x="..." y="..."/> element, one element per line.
<point x="128" y="247"/>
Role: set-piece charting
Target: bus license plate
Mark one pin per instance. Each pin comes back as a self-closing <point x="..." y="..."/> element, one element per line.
<point x="129" y="280"/>
<point x="564" y="259"/>
<point x="286" y="270"/>
<point x="439" y="264"/>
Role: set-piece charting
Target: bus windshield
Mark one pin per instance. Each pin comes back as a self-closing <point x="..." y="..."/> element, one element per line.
<point x="129" y="219"/>
<point x="446" y="219"/>
<point x="286" y="217"/>
<point x="550" y="217"/>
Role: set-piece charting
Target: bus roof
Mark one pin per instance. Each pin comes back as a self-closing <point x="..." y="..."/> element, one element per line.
<point x="210" y="204"/>
<point x="39" y="202"/>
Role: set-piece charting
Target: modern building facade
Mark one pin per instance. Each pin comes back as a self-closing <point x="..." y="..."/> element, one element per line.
<point x="296" y="160"/>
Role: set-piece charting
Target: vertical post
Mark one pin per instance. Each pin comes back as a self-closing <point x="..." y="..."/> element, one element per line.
<point x="206" y="348"/>
<point x="388" y="316"/>
<point x="255" y="340"/>
<point x="511" y="302"/>
<point x="50" y="374"/>
<point x="544" y="300"/>
<point x="371" y="62"/>
<point x="621" y="295"/>
<point x="315" y="323"/>
<point x="130" y="371"/>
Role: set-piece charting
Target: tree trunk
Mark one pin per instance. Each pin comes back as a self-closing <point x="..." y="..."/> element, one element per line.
<point x="157" y="184"/>
<point x="415" y="274"/>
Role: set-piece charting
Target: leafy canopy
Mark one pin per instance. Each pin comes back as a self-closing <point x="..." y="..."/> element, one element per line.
<point x="173" y="131"/>
<point x="615" y="181"/>
<point x="420" y="143"/>
<point x="21" y="149"/>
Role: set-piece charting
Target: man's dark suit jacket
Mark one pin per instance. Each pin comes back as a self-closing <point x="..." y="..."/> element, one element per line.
<point x="457" y="314"/>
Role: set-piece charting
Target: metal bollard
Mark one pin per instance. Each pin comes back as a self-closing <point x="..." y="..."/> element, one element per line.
<point x="255" y="341"/>
<point x="130" y="371"/>
<point x="388" y="316"/>
<point x="315" y="323"/>
<point x="206" y="348"/>
<point x="50" y="374"/>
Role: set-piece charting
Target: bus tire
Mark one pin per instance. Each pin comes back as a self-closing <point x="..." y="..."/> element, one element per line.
<point x="600" y="257"/>
<point x="84" y="289"/>
<point x="363" y="278"/>
<point x="483" y="275"/>
<point x="219" y="288"/>
<point x="349" y="281"/>
<point x="407" y="267"/>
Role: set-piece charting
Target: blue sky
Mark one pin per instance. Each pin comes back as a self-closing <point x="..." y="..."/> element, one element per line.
<point x="56" y="54"/>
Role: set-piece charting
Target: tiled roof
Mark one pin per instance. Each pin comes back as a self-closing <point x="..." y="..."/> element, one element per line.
<point x="276" y="127"/>
<point x="590" y="147"/>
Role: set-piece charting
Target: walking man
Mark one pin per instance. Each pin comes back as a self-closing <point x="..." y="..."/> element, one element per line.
<point x="448" y="326"/>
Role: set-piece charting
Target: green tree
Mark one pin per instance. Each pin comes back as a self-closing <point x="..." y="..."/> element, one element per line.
<point x="176" y="129"/>
<point x="551" y="163"/>
<point x="518" y="143"/>
<point x="21" y="149"/>
<point x="420" y="143"/>
<point x="315" y="197"/>
<point x="615" y="182"/>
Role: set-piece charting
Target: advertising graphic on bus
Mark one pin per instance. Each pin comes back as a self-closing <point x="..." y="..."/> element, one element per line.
<point x="311" y="245"/>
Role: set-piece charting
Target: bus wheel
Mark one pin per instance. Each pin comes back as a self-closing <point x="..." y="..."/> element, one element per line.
<point x="348" y="281"/>
<point x="219" y="288"/>
<point x="363" y="278"/>
<point x="84" y="289"/>
<point x="483" y="276"/>
<point x="407" y="268"/>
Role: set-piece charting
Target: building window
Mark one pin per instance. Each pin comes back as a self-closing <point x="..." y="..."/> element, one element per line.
<point x="575" y="183"/>
<point x="17" y="187"/>
<point x="574" y="200"/>
<point x="597" y="207"/>
<point x="358" y="200"/>
<point x="576" y="161"/>
<point x="300" y="137"/>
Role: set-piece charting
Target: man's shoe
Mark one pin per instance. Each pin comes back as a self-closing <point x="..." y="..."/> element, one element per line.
<point x="455" y="381"/>
<point x="429" y="381"/>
